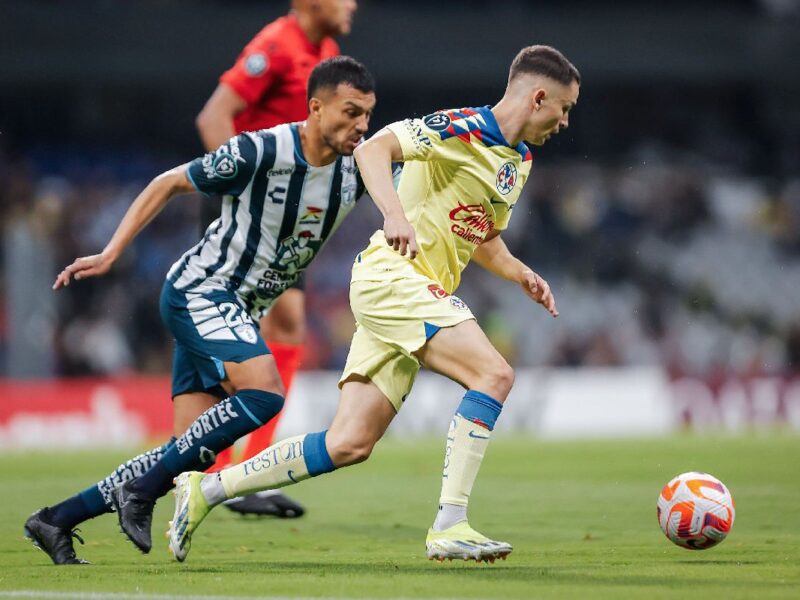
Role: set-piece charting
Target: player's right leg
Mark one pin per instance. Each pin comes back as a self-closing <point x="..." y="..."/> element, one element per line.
<point x="464" y="354"/>
<point x="283" y="328"/>
<point x="361" y="419"/>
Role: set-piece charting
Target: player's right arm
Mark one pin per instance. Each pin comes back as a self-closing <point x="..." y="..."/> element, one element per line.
<point x="144" y="208"/>
<point x="227" y="170"/>
<point x="375" y="158"/>
<point x="215" y="121"/>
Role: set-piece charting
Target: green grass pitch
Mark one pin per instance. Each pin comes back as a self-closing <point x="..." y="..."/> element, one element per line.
<point x="581" y="516"/>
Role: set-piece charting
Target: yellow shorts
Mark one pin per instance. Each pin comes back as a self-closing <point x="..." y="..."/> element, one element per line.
<point x="394" y="320"/>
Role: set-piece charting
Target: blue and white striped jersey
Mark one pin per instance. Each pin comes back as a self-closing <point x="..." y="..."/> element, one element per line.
<point x="277" y="212"/>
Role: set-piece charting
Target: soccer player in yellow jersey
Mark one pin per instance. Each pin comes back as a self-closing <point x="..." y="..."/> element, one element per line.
<point x="464" y="170"/>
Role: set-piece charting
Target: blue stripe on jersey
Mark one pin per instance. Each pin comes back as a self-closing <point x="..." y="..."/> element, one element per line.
<point x="334" y="201"/>
<point x="198" y="249"/>
<point x="223" y="248"/>
<point x="292" y="202"/>
<point x="257" y="196"/>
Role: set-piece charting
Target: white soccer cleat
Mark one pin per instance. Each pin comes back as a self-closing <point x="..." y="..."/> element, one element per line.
<point x="190" y="510"/>
<point x="462" y="542"/>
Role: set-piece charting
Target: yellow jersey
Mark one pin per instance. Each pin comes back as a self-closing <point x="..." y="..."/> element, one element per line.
<point x="461" y="179"/>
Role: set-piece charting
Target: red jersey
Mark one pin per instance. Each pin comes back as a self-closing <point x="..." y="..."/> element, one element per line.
<point x="271" y="74"/>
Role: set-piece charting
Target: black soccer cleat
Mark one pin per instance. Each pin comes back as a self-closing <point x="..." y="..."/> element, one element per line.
<point x="135" y="513"/>
<point x="54" y="541"/>
<point x="271" y="503"/>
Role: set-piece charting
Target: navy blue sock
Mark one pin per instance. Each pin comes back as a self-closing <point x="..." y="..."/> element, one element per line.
<point x="96" y="500"/>
<point x="216" y="429"/>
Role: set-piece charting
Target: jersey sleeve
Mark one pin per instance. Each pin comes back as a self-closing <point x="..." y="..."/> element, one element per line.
<point x="421" y="139"/>
<point x="226" y="170"/>
<point x="257" y="68"/>
<point x="502" y="217"/>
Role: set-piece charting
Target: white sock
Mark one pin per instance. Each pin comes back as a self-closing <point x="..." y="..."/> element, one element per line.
<point x="449" y="515"/>
<point x="212" y="490"/>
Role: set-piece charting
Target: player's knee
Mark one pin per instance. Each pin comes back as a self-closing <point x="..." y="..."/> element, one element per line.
<point x="260" y="405"/>
<point x="498" y="379"/>
<point x="346" y="452"/>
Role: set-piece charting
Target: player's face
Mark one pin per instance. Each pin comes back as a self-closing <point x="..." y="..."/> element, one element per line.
<point x="552" y="103"/>
<point x="337" y="15"/>
<point x="344" y="116"/>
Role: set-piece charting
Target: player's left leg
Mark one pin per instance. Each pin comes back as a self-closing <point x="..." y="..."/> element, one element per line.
<point x="52" y="528"/>
<point x="361" y="419"/>
<point x="464" y="354"/>
<point x="284" y="329"/>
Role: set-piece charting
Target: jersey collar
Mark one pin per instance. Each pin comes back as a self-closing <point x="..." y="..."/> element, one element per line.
<point x="492" y="136"/>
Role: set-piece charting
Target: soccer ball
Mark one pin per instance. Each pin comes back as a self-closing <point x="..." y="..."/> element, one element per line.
<point x="696" y="510"/>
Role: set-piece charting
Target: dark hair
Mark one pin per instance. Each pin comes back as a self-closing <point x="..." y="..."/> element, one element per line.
<point x="544" y="60"/>
<point x="340" y="69"/>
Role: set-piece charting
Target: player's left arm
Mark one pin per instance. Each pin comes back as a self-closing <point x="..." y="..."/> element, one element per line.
<point x="494" y="256"/>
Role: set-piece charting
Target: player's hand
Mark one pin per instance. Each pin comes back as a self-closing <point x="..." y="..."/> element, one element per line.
<point x="81" y="268"/>
<point x="539" y="290"/>
<point x="400" y="235"/>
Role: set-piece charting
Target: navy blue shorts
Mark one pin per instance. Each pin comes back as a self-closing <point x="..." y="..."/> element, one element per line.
<point x="209" y="330"/>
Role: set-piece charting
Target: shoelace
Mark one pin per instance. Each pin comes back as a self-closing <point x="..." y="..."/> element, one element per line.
<point x="74" y="533"/>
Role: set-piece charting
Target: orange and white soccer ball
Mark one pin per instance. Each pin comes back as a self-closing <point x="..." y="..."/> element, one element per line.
<point x="696" y="510"/>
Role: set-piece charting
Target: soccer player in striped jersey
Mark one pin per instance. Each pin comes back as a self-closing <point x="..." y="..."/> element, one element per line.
<point x="464" y="171"/>
<point x="285" y="191"/>
<point x="265" y="87"/>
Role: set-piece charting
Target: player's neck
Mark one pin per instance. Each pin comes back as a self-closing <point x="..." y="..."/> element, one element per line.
<point x="316" y="152"/>
<point x="310" y="27"/>
<point x="510" y="119"/>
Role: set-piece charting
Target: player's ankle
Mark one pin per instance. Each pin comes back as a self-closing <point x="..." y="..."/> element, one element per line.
<point x="449" y="515"/>
<point x="212" y="489"/>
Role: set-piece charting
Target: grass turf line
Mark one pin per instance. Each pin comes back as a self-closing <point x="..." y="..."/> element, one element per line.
<point x="581" y="517"/>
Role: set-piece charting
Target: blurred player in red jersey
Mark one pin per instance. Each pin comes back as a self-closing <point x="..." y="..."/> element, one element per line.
<point x="267" y="87"/>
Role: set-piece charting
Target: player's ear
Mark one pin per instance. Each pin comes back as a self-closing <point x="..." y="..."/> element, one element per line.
<point x="314" y="107"/>
<point x="538" y="97"/>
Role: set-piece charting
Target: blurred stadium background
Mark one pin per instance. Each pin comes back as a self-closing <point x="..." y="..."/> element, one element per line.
<point x="667" y="218"/>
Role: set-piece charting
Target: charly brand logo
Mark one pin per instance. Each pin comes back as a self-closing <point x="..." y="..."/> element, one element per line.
<point x="437" y="121"/>
<point x="256" y="64"/>
<point x="506" y="178"/>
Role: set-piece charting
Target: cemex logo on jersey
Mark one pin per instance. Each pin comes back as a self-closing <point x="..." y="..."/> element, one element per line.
<point x="506" y="178"/>
<point x="471" y="222"/>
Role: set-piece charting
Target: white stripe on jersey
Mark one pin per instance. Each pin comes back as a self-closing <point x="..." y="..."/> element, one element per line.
<point x="294" y="199"/>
